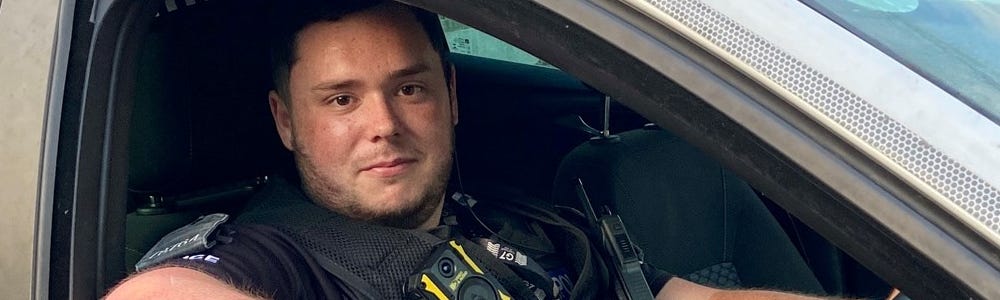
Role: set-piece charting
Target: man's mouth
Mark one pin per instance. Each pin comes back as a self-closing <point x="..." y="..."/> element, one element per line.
<point x="389" y="168"/>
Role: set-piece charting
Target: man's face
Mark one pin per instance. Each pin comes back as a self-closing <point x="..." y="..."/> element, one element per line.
<point x="370" y="118"/>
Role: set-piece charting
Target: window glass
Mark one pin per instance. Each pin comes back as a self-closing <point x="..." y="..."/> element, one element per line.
<point x="955" y="43"/>
<point x="463" y="39"/>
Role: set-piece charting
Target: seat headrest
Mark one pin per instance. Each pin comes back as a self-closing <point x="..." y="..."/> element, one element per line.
<point x="200" y="115"/>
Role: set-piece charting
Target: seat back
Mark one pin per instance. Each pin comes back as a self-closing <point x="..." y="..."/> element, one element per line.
<point x="201" y="116"/>
<point x="201" y="130"/>
<point x="690" y="216"/>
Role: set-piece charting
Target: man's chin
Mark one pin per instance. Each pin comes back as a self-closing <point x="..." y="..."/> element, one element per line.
<point x="407" y="214"/>
<point x="404" y="218"/>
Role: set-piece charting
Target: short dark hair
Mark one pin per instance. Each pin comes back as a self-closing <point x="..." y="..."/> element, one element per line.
<point x="288" y="19"/>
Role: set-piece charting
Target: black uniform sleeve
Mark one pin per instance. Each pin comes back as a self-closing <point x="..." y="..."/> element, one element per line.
<point x="263" y="261"/>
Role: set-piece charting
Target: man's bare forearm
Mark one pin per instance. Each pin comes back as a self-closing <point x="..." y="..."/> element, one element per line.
<point x="176" y="283"/>
<point x="759" y="294"/>
<point x="678" y="288"/>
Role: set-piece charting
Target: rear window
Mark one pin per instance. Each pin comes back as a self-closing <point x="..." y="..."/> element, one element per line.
<point x="466" y="40"/>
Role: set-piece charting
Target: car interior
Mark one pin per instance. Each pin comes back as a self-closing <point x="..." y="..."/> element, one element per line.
<point x="201" y="140"/>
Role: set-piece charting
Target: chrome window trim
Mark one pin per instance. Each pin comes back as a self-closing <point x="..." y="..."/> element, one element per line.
<point x="830" y="40"/>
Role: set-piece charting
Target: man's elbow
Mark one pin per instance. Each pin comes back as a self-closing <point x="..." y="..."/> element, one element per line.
<point x="175" y="283"/>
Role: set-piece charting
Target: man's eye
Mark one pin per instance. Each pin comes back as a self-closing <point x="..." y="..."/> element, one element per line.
<point x="410" y="90"/>
<point x="342" y="100"/>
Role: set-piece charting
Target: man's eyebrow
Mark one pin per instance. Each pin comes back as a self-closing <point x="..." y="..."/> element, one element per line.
<point x="336" y="85"/>
<point x="347" y="84"/>
<point x="411" y="70"/>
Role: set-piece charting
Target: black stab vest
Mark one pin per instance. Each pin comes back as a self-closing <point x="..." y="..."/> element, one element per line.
<point x="376" y="260"/>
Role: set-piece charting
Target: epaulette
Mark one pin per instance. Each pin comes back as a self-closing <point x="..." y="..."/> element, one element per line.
<point x="190" y="239"/>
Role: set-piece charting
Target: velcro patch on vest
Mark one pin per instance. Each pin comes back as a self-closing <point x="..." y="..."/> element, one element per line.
<point x="190" y="239"/>
<point x="506" y="253"/>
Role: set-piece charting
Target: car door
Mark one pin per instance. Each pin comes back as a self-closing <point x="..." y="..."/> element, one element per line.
<point x="839" y="152"/>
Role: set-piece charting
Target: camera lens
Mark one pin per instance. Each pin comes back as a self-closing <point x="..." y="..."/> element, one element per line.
<point x="477" y="288"/>
<point x="446" y="267"/>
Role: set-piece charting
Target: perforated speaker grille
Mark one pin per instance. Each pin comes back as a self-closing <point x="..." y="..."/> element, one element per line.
<point x="914" y="154"/>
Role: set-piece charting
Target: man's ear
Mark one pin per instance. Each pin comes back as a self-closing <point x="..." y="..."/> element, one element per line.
<point x="282" y="119"/>
<point x="453" y="94"/>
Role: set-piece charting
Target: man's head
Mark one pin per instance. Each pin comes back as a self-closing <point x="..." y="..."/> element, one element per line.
<point x="288" y="20"/>
<point x="368" y="109"/>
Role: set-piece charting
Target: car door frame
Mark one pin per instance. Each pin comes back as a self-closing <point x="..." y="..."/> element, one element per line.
<point x="85" y="210"/>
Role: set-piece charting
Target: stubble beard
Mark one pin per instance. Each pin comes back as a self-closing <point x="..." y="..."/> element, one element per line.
<point x="340" y="199"/>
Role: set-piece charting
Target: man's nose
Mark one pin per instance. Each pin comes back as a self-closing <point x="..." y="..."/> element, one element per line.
<point x="383" y="117"/>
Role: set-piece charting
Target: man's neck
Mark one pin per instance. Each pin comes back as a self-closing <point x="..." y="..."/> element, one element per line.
<point x="435" y="219"/>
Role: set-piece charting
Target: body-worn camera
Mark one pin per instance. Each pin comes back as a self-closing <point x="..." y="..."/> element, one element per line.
<point x="449" y="273"/>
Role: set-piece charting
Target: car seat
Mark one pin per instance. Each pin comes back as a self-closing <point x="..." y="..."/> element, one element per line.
<point x="201" y="134"/>
<point x="690" y="216"/>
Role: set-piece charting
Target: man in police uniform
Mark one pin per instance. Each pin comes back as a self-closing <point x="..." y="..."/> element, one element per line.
<point x="365" y="99"/>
